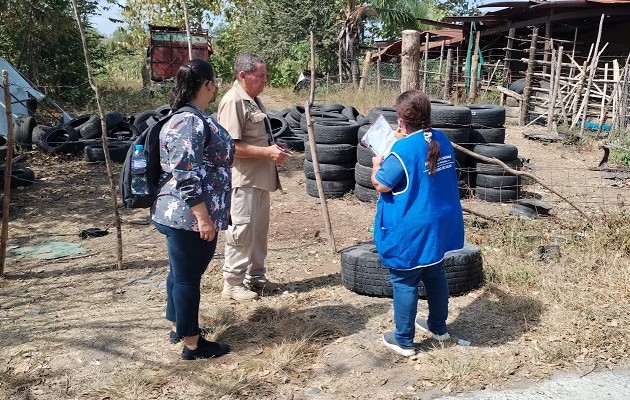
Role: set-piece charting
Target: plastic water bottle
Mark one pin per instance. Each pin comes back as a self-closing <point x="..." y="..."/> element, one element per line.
<point x="138" y="171"/>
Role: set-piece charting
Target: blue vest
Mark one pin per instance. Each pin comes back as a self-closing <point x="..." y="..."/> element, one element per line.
<point x="416" y="224"/>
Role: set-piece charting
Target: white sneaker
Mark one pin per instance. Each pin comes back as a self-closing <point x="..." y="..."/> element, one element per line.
<point x="422" y="324"/>
<point x="238" y="293"/>
<point x="390" y="341"/>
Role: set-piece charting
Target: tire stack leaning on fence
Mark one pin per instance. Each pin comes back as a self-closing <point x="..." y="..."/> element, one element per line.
<point x="492" y="182"/>
<point x="336" y="146"/>
<point x="454" y="122"/>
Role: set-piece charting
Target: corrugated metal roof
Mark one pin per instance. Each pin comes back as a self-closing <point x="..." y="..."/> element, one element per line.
<point x="436" y="38"/>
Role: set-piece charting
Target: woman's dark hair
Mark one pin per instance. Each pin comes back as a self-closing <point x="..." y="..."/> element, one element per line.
<point x="414" y="108"/>
<point x="189" y="78"/>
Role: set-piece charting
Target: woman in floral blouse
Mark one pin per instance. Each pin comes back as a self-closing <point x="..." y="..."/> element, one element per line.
<point x="194" y="203"/>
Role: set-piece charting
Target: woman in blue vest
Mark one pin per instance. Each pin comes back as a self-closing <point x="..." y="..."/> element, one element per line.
<point x="418" y="219"/>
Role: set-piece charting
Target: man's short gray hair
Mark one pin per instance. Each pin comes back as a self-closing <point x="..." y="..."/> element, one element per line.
<point x="246" y="62"/>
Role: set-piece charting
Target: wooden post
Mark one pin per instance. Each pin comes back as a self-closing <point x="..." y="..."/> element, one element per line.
<point x="457" y="71"/>
<point x="557" y="89"/>
<point x="365" y="70"/>
<point x="409" y="60"/>
<point x="578" y="92"/>
<point x="615" y="94"/>
<point x="426" y="60"/>
<point x="472" y="92"/>
<point x="506" y="63"/>
<point x="311" y="140"/>
<point x="378" y="74"/>
<point x="440" y="64"/>
<point x="527" y="92"/>
<point x="547" y="46"/>
<point x="552" y="94"/>
<point x="592" y="74"/>
<point x="7" y="171"/>
<point x="448" y="81"/>
<point x="602" y="111"/>
<point x="340" y="63"/>
<point x="555" y="92"/>
<point x="188" y="37"/>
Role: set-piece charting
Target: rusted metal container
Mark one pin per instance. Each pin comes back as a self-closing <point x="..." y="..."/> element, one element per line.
<point x="168" y="49"/>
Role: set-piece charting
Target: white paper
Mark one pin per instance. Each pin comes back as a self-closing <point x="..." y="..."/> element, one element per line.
<point x="380" y="137"/>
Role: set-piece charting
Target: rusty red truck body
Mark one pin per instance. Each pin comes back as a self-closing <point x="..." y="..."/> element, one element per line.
<point x="168" y="50"/>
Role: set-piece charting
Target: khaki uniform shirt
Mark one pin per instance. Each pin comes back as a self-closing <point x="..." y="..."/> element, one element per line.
<point x="245" y="119"/>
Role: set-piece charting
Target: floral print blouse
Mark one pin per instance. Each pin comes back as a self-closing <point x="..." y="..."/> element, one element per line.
<point x="201" y="172"/>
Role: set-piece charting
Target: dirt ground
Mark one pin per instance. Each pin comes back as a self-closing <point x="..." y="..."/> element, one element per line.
<point x="78" y="328"/>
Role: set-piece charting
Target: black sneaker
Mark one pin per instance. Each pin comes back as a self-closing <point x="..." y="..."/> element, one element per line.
<point x="205" y="349"/>
<point x="174" y="338"/>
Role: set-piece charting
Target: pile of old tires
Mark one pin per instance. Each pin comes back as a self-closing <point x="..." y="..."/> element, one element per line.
<point x="362" y="271"/>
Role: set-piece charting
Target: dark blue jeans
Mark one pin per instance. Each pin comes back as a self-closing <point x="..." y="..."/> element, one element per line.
<point x="188" y="257"/>
<point x="405" y="285"/>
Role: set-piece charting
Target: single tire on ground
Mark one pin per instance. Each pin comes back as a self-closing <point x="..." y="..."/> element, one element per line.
<point x="117" y="152"/>
<point x="59" y="140"/>
<point x="362" y="271"/>
<point x="20" y="177"/>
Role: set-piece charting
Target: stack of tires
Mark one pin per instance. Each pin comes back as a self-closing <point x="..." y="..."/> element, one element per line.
<point x="492" y="182"/>
<point x="291" y="137"/>
<point x="454" y="122"/>
<point x="336" y="148"/>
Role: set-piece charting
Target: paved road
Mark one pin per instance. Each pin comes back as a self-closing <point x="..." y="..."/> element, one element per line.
<point x="606" y="385"/>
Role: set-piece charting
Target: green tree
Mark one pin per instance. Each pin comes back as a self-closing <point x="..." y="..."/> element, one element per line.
<point x="40" y="37"/>
<point x="393" y="16"/>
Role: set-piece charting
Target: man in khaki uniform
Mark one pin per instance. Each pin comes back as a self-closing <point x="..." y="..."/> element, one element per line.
<point x="254" y="175"/>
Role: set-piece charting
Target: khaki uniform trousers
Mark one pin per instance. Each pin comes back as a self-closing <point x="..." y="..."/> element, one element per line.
<point x="246" y="237"/>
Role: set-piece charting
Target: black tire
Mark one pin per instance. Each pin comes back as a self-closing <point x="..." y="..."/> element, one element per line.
<point x="38" y="133"/>
<point x="3" y="153"/>
<point x="141" y="119"/>
<point x="365" y="194"/>
<point x="331" y="132"/>
<point x="91" y="129"/>
<point x="362" y="131"/>
<point x="333" y="107"/>
<point x="332" y="189"/>
<point x="496" y="150"/>
<point x="23" y="128"/>
<point x="450" y="116"/>
<point x="279" y="127"/>
<point x="363" y="120"/>
<point x="296" y="112"/>
<point x="60" y="140"/>
<point x="293" y="123"/>
<point x="437" y="102"/>
<point x="350" y="112"/>
<point x="113" y="120"/>
<point x="456" y="135"/>
<point x="496" y="195"/>
<point x="78" y="122"/>
<point x="321" y="116"/>
<point x="487" y="135"/>
<point x="486" y="115"/>
<point x="493" y="169"/>
<point x="124" y="131"/>
<point x="510" y="182"/>
<point x="292" y="142"/>
<point x="364" y="156"/>
<point x="363" y="273"/>
<point x="388" y="112"/>
<point x="117" y="152"/>
<point x="163" y="109"/>
<point x="332" y="153"/>
<point x="20" y="177"/>
<point x="329" y="172"/>
<point x="518" y="85"/>
<point x="363" y="175"/>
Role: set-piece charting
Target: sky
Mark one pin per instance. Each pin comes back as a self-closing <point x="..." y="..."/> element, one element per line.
<point x="101" y="22"/>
